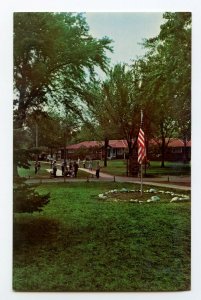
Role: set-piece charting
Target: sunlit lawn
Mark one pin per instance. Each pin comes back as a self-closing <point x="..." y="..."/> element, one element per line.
<point x="82" y="243"/>
<point x="118" y="167"/>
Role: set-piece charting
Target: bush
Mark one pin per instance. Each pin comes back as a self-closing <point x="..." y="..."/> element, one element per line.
<point x="26" y="199"/>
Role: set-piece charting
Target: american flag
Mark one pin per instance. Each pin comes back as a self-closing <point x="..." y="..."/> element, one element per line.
<point x="141" y="147"/>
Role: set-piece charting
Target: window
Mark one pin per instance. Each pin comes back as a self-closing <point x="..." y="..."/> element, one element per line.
<point x="177" y="150"/>
<point x="120" y="151"/>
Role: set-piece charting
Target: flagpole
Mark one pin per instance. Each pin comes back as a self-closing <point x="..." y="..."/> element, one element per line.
<point x="141" y="150"/>
<point x="141" y="178"/>
<point x="141" y="162"/>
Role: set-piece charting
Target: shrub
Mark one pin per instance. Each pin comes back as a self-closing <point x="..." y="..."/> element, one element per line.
<point x="26" y="199"/>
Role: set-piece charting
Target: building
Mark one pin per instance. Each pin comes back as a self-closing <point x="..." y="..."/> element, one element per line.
<point x="117" y="149"/>
<point x="175" y="150"/>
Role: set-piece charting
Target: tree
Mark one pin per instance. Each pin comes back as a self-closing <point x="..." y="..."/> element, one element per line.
<point x="167" y="77"/>
<point x="116" y="106"/>
<point x="54" y="128"/>
<point x="54" y="59"/>
<point x="177" y="31"/>
<point x="158" y="103"/>
<point x="49" y="49"/>
<point x="26" y="199"/>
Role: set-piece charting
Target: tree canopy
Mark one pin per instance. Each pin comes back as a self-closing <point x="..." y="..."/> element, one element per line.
<point x="55" y="61"/>
<point x="166" y="73"/>
<point x="53" y="52"/>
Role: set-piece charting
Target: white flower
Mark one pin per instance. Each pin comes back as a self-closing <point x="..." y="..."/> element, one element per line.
<point x="134" y="200"/>
<point x="174" y="199"/>
<point x="153" y="199"/>
<point x="186" y="197"/>
<point x="152" y="191"/>
<point x="102" y="196"/>
<point x="123" y="190"/>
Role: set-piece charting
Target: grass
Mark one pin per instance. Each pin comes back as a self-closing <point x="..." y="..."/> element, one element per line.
<point x="43" y="173"/>
<point x="82" y="243"/>
<point x="118" y="167"/>
<point x="171" y="168"/>
<point x="31" y="171"/>
<point x="115" y="167"/>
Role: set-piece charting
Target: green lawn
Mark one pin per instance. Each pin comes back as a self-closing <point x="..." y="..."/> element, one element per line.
<point x="171" y="168"/>
<point x="82" y="243"/>
<point x="118" y="167"/>
<point x="31" y="171"/>
<point x="115" y="167"/>
<point x="43" y="173"/>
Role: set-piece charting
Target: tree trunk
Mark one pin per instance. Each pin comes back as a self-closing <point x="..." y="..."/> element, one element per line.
<point x="133" y="162"/>
<point x="163" y="153"/>
<point x="184" y="151"/>
<point x="105" y="150"/>
<point x="146" y="158"/>
<point x="127" y="167"/>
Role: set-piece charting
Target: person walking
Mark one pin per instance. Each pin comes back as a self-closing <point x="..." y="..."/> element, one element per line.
<point x="55" y="169"/>
<point x="36" y="167"/>
<point x="62" y="168"/>
<point x="90" y="165"/>
<point x="75" y="167"/>
<point x="98" y="170"/>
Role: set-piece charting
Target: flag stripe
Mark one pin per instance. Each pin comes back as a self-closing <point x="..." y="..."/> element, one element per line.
<point x="141" y="147"/>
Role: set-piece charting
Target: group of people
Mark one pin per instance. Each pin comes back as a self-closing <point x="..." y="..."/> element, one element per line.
<point x="70" y="169"/>
<point x="87" y="164"/>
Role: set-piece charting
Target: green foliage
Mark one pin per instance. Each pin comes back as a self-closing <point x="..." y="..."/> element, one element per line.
<point x="23" y="150"/>
<point x="53" y="55"/>
<point x="79" y="243"/>
<point x="168" y="67"/>
<point x="26" y="199"/>
<point x="166" y="78"/>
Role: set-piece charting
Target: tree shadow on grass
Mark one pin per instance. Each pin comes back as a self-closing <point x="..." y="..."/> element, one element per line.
<point x="34" y="231"/>
<point x="31" y="232"/>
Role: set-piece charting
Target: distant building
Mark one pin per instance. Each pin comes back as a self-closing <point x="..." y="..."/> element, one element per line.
<point x="117" y="149"/>
<point x="175" y="150"/>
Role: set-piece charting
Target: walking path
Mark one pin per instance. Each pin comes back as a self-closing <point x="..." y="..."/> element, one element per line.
<point x="177" y="182"/>
<point x="163" y="181"/>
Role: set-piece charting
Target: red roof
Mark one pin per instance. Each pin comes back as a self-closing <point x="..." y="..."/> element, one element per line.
<point x="123" y="144"/>
<point x="86" y="144"/>
<point x="173" y="143"/>
<point x="118" y="144"/>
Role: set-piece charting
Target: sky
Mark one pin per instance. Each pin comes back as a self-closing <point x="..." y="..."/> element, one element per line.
<point x="127" y="30"/>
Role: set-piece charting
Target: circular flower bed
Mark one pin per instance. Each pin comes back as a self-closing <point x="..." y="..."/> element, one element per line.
<point x="148" y="196"/>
